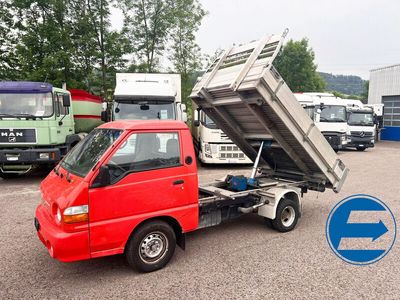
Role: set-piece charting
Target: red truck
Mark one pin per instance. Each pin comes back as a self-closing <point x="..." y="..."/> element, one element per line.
<point x="131" y="187"/>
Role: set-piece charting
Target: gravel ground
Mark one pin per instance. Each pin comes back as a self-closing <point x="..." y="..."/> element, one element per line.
<point x="239" y="259"/>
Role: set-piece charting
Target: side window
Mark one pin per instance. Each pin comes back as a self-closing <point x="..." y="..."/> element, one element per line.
<point x="60" y="109"/>
<point x="145" y="151"/>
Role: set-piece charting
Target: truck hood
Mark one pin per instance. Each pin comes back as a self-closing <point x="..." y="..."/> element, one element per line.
<point x="332" y="127"/>
<point x="362" y="128"/>
<point x="55" y="189"/>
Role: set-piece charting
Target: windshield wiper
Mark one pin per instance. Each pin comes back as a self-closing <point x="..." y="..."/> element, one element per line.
<point x="29" y="116"/>
<point x="8" y="116"/>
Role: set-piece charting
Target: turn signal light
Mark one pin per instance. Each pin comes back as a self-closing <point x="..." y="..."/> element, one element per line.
<point x="75" y="218"/>
<point x="75" y="214"/>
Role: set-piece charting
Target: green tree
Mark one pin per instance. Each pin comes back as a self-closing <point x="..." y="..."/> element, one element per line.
<point x="147" y="24"/>
<point x="185" y="53"/>
<point x="45" y="46"/>
<point x="8" y="38"/>
<point x="110" y="45"/>
<point x="296" y="64"/>
<point x="364" y="94"/>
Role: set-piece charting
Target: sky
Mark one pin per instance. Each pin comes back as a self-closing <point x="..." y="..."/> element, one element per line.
<point x="348" y="37"/>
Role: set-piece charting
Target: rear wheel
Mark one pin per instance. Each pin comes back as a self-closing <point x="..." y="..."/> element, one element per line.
<point x="287" y="215"/>
<point x="361" y="148"/>
<point x="151" y="247"/>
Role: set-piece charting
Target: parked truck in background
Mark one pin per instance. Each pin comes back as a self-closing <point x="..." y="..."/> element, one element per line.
<point x="38" y="125"/>
<point x="330" y="115"/>
<point x="131" y="187"/>
<point x="362" y="128"/>
<point x="211" y="144"/>
<point x="147" y="96"/>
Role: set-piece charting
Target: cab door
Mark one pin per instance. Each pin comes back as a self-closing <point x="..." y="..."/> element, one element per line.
<point x="148" y="178"/>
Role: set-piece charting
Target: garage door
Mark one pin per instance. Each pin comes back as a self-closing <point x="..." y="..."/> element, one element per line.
<point x="391" y="118"/>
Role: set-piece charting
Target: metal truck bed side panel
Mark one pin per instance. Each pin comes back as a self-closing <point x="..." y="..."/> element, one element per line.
<point x="247" y="98"/>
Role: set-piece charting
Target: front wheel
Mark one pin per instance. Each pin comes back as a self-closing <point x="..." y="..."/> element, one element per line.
<point x="287" y="215"/>
<point x="151" y="247"/>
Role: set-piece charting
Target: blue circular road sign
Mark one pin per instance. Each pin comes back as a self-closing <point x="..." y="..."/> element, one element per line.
<point x="361" y="229"/>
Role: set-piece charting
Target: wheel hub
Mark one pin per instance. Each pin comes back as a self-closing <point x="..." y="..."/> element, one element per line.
<point x="288" y="216"/>
<point x="153" y="246"/>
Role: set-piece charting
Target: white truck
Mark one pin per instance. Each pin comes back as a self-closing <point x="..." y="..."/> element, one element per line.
<point x="211" y="144"/>
<point x="362" y="125"/>
<point x="330" y="115"/>
<point x="147" y="96"/>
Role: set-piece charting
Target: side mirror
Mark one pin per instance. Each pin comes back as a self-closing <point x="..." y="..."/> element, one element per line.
<point x="103" y="178"/>
<point x="104" y="116"/>
<point x="66" y="100"/>
<point x="196" y="123"/>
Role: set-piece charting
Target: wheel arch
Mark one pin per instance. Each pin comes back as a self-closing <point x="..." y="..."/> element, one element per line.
<point x="176" y="226"/>
<point x="269" y="210"/>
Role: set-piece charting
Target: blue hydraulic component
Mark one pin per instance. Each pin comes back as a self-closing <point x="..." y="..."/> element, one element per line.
<point x="237" y="183"/>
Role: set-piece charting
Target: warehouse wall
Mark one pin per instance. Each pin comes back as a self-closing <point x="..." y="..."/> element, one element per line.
<point x="384" y="87"/>
<point x="384" y="82"/>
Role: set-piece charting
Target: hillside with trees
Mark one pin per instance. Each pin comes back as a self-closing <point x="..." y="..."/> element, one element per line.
<point x="345" y="84"/>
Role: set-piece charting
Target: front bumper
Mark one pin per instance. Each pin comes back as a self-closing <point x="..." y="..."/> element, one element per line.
<point x="336" y="141"/>
<point x="64" y="246"/>
<point x="367" y="142"/>
<point x="15" y="156"/>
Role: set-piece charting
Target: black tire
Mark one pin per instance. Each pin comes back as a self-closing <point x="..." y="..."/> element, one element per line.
<point x="361" y="148"/>
<point x="157" y="233"/>
<point x="287" y="209"/>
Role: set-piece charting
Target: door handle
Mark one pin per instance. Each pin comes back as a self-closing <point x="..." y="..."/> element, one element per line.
<point x="179" y="181"/>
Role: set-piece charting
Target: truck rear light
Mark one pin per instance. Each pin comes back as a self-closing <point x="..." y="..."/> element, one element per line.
<point x="75" y="214"/>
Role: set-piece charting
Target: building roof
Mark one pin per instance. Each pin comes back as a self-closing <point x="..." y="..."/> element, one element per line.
<point x="146" y="125"/>
<point x="387" y="67"/>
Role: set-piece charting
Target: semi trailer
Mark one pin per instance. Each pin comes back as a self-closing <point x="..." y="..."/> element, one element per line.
<point x="38" y="125"/>
<point x="131" y="187"/>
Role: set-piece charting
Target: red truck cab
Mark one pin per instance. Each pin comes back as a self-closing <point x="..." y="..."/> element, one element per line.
<point x="129" y="187"/>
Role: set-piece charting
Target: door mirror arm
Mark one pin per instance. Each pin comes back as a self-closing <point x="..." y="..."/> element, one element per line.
<point x="103" y="178"/>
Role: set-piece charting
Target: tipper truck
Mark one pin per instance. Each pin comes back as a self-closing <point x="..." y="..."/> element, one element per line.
<point x="131" y="187"/>
<point x="38" y="125"/>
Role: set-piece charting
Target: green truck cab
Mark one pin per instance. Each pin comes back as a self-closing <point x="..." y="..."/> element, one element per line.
<point x="40" y="123"/>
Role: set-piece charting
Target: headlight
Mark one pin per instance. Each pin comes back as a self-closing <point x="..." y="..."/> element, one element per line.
<point x="207" y="148"/>
<point x="74" y="214"/>
<point x="45" y="155"/>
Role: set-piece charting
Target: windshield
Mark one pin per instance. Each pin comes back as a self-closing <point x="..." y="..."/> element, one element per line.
<point x="22" y="105"/>
<point x="361" y="119"/>
<point x="333" y="113"/>
<point x="86" y="154"/>
<point x="144" y="110"/>
<point x="207" y="121"/>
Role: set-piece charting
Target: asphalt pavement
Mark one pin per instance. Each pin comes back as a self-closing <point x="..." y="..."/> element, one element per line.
<point x="238" y="259"/>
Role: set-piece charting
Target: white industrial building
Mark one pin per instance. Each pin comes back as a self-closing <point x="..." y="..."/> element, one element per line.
<point x="384" y="88"/>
